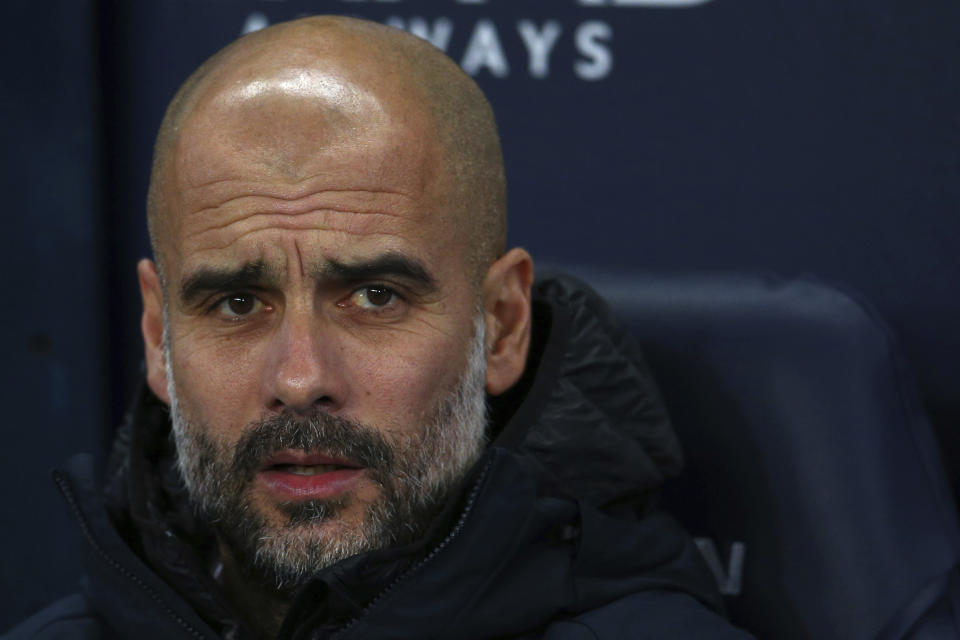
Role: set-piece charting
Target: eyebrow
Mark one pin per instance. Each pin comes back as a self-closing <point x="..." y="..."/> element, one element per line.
<point x="393" y="265"/>
<point x="257" y="275"/>
<point x="206" y="280"/>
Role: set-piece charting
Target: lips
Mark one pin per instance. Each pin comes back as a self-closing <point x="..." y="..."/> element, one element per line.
<point x="305" y="470"/>
<point x="293" y="475"/>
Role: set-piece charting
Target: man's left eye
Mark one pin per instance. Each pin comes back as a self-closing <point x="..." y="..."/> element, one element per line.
<point x="375" y="297"/>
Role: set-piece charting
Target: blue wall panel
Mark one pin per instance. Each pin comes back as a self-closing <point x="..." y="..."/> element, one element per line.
<point x="54" y="311"/>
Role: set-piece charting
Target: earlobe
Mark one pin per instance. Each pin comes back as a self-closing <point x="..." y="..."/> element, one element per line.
<point x="506" y="301"/>
<point x="151" y="324"/>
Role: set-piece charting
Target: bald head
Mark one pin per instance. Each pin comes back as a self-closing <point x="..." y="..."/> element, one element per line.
<point x="358" y="83"/>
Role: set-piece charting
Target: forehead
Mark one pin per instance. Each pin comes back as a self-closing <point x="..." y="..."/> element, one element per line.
<point x="298" y="118"/>
<point x="310" y="152"/>
<point x="300" y="121"/>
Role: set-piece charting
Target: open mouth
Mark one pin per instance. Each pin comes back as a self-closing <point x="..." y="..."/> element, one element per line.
<point x="299" y="475"/>
<point x="302" y="463"/>
<point x="308" y="470"/>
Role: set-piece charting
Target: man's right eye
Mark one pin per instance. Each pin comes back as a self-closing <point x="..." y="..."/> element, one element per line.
<point x="238" y="305"/>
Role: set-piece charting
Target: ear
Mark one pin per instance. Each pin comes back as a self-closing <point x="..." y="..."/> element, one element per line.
<point x="506" y="304"/>
<point x="152" y="327"/>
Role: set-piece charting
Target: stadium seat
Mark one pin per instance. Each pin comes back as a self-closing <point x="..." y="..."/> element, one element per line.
<point x="813" y="481"/>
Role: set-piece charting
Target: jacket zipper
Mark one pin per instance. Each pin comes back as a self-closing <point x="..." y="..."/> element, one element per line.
<point x="68" y="494"/>
<point x="454" y="532"/>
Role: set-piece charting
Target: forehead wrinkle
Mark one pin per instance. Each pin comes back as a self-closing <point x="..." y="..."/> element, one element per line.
<point x="234" y="239"/>
<point x="294" y="209"/>
<point x="300" y="187"/>
<point x="211" y="183"/>
<point x="298" y="254"/>
<point x="214" y="213"/>
<point x="353" y="222"/>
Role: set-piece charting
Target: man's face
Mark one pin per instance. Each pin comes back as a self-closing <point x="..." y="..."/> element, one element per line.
<point x="413" y="473"/>
<point x="320" y="321"/>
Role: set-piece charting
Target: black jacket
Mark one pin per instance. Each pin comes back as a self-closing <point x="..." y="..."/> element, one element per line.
<point x="554" y="534"/>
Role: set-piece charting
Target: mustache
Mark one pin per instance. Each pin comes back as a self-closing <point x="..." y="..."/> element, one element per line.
<point x="320" y="433"/>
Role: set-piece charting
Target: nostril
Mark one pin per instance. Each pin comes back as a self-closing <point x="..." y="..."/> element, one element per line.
<point x="276" y="406"/>
<point x="324" y="403"/>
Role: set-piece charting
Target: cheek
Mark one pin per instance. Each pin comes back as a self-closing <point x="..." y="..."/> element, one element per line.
<point x="216" y="384"/>
<point x="400" y="388"/>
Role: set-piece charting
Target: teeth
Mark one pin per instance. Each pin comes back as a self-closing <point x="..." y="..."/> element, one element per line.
<point x="312" y="470"/>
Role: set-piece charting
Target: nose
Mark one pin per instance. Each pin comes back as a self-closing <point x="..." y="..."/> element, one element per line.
<point x="303" y="372"/>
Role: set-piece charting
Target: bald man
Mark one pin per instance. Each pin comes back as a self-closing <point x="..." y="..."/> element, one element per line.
<point x="361" y="418"/>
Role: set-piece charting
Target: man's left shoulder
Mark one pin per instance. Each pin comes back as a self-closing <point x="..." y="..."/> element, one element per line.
<point x="648" y="615"/>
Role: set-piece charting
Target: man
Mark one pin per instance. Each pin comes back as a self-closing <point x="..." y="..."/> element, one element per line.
<point x="330" y="309"/>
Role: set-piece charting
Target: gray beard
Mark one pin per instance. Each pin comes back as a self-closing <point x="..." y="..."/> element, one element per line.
<point x="415" y="471"/>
